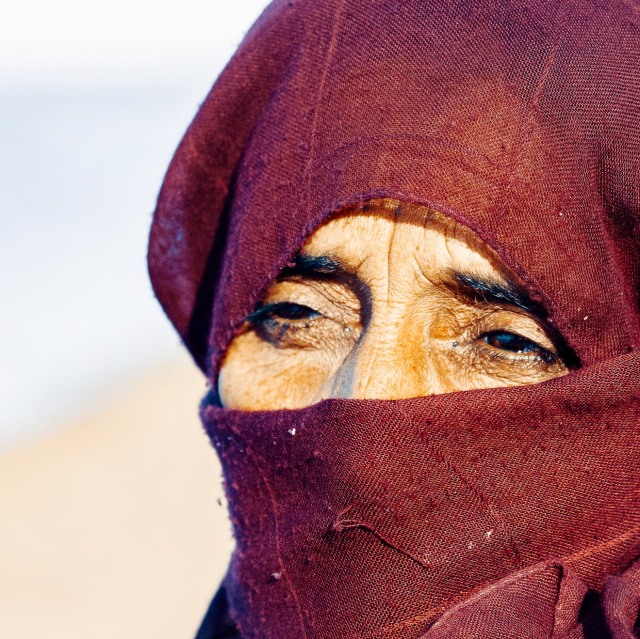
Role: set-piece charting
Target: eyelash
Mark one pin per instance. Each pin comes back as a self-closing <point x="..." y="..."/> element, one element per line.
<point x="541" y="354"/>
<point x="280" y="309"/>
<point x="274" y="322"/>
<point x="292" y="313"/>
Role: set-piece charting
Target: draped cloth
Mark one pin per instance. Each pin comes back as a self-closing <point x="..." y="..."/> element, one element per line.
<point x="511" y="512"/>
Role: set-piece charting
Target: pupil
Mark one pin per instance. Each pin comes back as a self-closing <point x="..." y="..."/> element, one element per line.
<point x="510" y="342"/>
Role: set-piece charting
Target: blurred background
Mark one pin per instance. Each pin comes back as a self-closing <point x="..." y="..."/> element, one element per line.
<point x="112" y="521"/>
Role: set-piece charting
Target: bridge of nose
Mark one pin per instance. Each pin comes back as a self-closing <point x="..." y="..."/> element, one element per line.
<point x="392" y="359"/>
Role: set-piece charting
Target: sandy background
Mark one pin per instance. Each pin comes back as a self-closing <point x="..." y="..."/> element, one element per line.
<point x="110" y="524"/>
<point x="112" y="527"/>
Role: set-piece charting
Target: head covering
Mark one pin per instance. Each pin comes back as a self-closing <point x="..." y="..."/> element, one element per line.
<point x="511" y="512"/>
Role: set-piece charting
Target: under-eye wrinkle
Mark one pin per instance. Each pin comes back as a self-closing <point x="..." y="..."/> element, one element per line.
<point x="273" y="322"/>
<point x="396" y="308"/>
<point x="514" y="343"/>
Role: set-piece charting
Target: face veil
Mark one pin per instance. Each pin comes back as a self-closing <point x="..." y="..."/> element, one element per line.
<point x="510" y="512"/>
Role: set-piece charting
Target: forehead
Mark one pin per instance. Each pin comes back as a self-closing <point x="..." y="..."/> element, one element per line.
<point x="389" y="236"/>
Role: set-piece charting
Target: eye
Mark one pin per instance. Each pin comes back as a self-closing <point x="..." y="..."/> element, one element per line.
<point x="307" y="313"/>
<point x="287" y="324"/>
<point x="285" y="311"/>
<point x="277" y="318"/>
<point x="518" y="345"/>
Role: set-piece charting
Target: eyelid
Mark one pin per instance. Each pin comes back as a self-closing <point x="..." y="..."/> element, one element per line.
<point x="531" y="361"/>
<point x="555" y="342"/>
<point x="332" y="299"/>
<point x="519" y="323"/>
<point x="543" y="353"/>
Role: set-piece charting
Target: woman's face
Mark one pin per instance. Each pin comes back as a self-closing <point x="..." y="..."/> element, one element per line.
<point x="389" y="302"/>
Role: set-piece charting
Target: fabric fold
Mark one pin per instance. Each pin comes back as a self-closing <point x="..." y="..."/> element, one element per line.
<point x="546" y="601"/>
<point x="388" y="513"/>
<point x="511" y="512"/>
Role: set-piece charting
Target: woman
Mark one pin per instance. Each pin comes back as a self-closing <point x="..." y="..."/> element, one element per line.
<point x="401" y="239"/>
<point x="389" y="301"/>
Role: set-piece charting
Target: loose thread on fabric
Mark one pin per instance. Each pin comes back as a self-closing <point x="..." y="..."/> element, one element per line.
<point x="340" y="524"/>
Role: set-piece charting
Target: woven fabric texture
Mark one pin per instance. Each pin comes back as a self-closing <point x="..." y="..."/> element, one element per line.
<point x="497" y="513"/>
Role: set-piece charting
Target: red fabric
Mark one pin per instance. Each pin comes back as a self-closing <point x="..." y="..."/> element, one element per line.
<point x="509" y="512"/>
<point x="371" y="518"/>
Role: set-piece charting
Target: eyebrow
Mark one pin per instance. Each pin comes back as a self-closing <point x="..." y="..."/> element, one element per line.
<point x="313" y="266"/>
<point x="321" y="267"/>
<point x="472" y="285"/>
<point x="492" y="291"/>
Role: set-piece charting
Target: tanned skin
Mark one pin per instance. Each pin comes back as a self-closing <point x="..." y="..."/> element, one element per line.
<point x="388" y="301"/>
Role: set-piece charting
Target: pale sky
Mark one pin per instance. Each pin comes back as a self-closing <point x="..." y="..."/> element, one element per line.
<point x="71" y="41"/>
<point x="94" y="98"/>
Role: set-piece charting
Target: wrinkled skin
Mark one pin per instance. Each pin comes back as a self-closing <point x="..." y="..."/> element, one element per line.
<point x="375" y="310"/>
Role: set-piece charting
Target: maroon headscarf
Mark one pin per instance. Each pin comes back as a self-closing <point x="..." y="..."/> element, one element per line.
<point x="511" y="512"/>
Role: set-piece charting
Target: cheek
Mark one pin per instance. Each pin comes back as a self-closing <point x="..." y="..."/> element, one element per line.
<point x="257" y="376"/>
